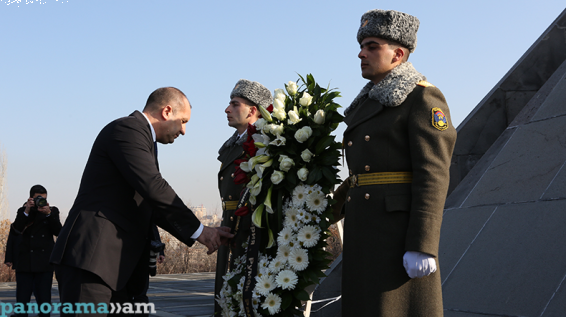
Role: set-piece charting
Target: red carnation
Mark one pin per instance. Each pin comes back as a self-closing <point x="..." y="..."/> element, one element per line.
<point x="242" y="211"/>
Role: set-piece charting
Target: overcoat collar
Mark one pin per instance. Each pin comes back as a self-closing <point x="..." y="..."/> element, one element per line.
<point x="392" y="90"/>
<point x="232" y="149"/>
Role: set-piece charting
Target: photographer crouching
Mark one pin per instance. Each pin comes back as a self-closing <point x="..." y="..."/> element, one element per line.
<point x="35" y="225"/>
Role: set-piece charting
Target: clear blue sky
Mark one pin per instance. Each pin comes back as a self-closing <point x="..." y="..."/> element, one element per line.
<point x="67" y="68"/>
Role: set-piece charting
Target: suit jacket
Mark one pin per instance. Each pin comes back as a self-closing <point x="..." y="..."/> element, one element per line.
<point x="30" y="240"/>
<point x="120" y="194"/>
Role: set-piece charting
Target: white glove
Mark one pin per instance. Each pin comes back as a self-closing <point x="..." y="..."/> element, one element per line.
<point x="418" y="264"/>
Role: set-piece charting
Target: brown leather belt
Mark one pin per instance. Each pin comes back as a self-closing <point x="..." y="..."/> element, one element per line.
<point x="381" y="178"/>
<point x="229" y="205"/>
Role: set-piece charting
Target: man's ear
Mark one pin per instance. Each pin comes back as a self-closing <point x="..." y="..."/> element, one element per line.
<point x="253" y="111"/>
<point x="399" y="54"/>
<point x="166" y="112"/>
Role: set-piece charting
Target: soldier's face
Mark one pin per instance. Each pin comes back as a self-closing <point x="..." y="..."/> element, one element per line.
<point x="377" y="57"/>
<point x="239" y="113"/>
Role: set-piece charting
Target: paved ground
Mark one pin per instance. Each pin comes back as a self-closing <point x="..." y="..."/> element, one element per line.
<point x="173" y="295"/>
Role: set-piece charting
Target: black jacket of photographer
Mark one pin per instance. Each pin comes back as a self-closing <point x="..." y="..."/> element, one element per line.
<point x="34" y="239"/>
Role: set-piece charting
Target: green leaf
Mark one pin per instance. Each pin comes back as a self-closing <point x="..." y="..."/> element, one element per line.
<point x="323" y="143"/>
<point x="302" y="295"/>
<point x="286" y="300"/>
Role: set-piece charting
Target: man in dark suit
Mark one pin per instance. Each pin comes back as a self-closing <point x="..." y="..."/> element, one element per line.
<point x="102" y="252"/>
<point x="29" y="245"/>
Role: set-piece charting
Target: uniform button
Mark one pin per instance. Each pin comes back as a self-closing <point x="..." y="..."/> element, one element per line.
<point x="349" y="198"/>
<point x="232" y="175"/>
<point x="350" y="172"/>
<point x="231" y="218"/>
<point x="32" y="236"/>
<point x="230" y="197"/>
<point x="350" y="143"/>
<point x="42" y="235"/>
<point x="367" y="196"/>
<point x="367" y="138"/>
<point x="221" y="178"/>
<point x="31" y="251"/>
<point x="222" y="198"/>
<point x="367" y="168"/>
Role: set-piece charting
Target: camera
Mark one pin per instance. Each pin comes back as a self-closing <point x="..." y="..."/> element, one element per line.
<point x="154" y="248"/>
<point x="40" y="201"/>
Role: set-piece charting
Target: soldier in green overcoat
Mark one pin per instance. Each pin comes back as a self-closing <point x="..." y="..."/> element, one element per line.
<point x="398" y="145"/>
<point x="242" y="110"/>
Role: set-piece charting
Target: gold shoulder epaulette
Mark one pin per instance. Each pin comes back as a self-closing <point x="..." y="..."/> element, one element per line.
<point x="425" y="83"/>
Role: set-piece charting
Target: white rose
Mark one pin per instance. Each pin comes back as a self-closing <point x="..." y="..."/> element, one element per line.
<point x="305" y="100"/>
<point x="276" y="129"/>
<point x="319" y="117"/>
<point x="279" y="104"/>
<point x="260" y="123"/>
<point x="293" y="117"/>
<point x="279" y="94"/>
<point x="277" y="177"/>
<point x="306" y="155"/>
<point x="285" y="163"/>
<point x="303" y="173"/>
<point x="279" y="114"/>
<point x="303" y="134"/>
<point x="291" y="88"/>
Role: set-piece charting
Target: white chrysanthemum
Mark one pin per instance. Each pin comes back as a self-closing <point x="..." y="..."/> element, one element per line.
<point x="298" y="259"/>
<point x="291" y="217"/>
<point x="285" y="235"/>
<point x="264" y="284"/>
<point x="294" y="243"/>
<point x="299" y="195"/>
<point x="316" y="201"/>
<point x="308" y="217"/>
<point x="286" y="279"/>
<point x="283" y="251"/>
<point x="272" y="303"/>
<point x="241" y="283"/>
<point x="316" y="218"/>
<point x="313" y="188"/>
<point x="277" y="264"/>
<point x="309" y="236"/>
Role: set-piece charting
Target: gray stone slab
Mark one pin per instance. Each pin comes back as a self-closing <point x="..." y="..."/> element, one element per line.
<point x="557" y="189"/>
<point x="459" y="229"/>
<point x="557" y="306"/>
<point x="515" y="102"/>
<point x="525" y="166"/>
<point x="515" y="265"/>
<point x="449" y="313"/>
<point x="555" y="103"/>
<point x="535" y="103"/>
<point x="463" y="189"/>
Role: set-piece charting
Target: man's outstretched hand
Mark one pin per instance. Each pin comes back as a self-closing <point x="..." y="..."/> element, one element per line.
<point x="213" y="238"/>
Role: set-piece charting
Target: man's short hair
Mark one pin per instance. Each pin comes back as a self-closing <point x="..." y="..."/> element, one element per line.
<point x="161" y="97"/>
<point x="37" y="189"/>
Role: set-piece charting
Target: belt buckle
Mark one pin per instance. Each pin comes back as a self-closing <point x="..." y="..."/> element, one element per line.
<point x="223" y="206"/>
<point x="354" y="181"/>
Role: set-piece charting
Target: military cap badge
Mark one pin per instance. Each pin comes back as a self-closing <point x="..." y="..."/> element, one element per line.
<point x="439" y="119"/>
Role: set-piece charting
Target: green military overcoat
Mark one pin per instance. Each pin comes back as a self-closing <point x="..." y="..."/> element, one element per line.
<point x="229" y="194"/>
<point x="384" y="221"/>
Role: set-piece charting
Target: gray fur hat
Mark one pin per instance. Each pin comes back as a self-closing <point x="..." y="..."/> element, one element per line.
<point x="253" y="91"/>
<point x="391" y="25"/>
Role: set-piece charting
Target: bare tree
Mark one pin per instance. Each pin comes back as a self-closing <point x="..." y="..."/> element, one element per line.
<point x="4" y="208"/>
